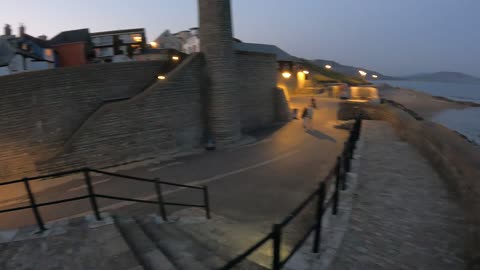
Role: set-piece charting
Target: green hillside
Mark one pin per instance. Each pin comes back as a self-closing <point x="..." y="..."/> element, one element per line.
<point x="324" y="75"/>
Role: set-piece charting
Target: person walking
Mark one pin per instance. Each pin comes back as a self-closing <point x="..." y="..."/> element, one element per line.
<point x="305" y="117"/>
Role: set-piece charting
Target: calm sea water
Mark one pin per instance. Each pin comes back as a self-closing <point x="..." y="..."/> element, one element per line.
<point x="464" y="121"/>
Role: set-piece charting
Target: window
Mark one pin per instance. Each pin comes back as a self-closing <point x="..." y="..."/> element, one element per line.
<point x="102" y="40"/>
<point x="131" y="38"/>
<point x="104" y="52"/>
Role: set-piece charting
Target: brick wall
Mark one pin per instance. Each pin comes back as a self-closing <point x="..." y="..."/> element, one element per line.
<point x="257" y="76"/>
<point x="106" y="115"/>
<point x="161" y="120"/>
<point x="40" y="110"/>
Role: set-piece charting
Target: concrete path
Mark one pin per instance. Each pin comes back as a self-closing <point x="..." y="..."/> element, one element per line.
<point x="402" y="216"/>
<point x="256" y="183"/>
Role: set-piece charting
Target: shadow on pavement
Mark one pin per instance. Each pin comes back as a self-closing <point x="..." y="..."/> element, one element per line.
<point x="319" y="135"/>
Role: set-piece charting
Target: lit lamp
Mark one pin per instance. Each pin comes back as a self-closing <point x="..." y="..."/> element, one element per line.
<point x="306" y="72"/>
<point x="286" y="74"/>
<point x="328" y="66"/>
<point x="153" y="44"/>
<point x="175" y="58"/>
<point x="137" y="39"/>
<point x="363" y="73"/>
<point x="375" y="76"/>
<point x="161" y="77"/>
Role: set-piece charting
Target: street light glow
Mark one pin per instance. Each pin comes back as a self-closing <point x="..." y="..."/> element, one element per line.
<point x="175" y="58"/>
<point x="286" y="75"/>
<point x="306" y="72"/>
<point x="161" y="77"/>
<point x="328" y="66"/>
<point x="363" y="73"/>
<point x="375" y="76"/>
<point x="153" y="44"/>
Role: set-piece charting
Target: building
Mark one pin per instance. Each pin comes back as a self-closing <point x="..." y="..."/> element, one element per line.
<point x="72" y="48"/>
<point x="24" y="53"/>
<point x="192" y="43"/>
<point x="119" y="45"/>
<point x="168" y="40"/>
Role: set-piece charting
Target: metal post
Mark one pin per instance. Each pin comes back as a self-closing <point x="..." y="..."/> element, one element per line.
<point x="91" y="194"/>
<point x="161" y="205"/>
<point x="206" y="201"/>
<point x="277" y="242"/>
<point x="318" y="222"/>
<point x="36" y="213"/>
<point x="336" y="193"/>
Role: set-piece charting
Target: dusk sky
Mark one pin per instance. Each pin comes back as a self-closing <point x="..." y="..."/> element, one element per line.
<point x="395" y="37"/>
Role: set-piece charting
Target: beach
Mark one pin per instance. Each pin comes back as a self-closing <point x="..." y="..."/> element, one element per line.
<point x="461" y="116"/>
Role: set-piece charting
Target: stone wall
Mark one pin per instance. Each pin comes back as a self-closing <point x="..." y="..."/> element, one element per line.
<point x="456" y="159"/>
<point x="165" y="118"/>
<point x="40" y="110"/>
<point x="256" y="74"/>
<point x="106" y="115"/>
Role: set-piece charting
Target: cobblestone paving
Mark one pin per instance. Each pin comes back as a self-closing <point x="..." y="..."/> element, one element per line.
<point x="402" y="216"/>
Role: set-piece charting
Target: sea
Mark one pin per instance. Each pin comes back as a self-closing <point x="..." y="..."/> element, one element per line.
<point x="466" y="121"/>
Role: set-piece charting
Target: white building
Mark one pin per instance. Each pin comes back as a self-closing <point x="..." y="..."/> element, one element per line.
<point x="192" y="44"/>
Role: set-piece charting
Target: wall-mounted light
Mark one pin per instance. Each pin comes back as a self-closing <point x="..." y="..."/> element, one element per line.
<point x="375" y="76"/>
<point x="306" y="72"/>
<point x="175" y="58"/>
<point x="363" y="73"/>
<point x="161" y="77"/>
<point x="286" y="74"/>
<point x="328" y="66"/>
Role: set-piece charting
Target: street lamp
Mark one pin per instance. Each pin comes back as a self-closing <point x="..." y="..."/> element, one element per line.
<point x="153" y="44"/>
<point x="328" y="66"/>
<point x="175" y="58"/>
<point x="375" y="76"/>
<point x="363" y="73"/>
<point x="286" y="74"/>
<point x="306" y="72"/>
<point x="161" y="77"/>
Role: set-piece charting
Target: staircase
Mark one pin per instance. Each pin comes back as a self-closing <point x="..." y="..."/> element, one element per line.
<point x="190" y="242"/>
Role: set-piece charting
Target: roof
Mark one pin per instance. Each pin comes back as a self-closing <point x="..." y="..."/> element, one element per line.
<point x="280" y="54"/>
<point x="40" y="42"/>
<point x="73" y="36"/>
<point x="115" y="32"/>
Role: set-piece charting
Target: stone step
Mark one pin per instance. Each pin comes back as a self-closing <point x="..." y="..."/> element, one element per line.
<point x="223" y="251"/>
<point x="142" y="246"/>
<point x="184" y="251"/>
<point x="77" y="243"/>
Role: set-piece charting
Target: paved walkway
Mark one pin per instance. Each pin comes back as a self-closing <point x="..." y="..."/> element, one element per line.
<point x="402" y="216"/>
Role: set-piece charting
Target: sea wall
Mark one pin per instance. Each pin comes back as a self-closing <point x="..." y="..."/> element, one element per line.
<point x="111" y="114"/>
<point x="456" y="159"/>
<point x="40" y="110"/>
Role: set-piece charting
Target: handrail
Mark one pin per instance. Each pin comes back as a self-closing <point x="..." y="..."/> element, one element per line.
<point x="92" y="196"/>
<point x="341" y="168"/>
<point x="141" y="179"/>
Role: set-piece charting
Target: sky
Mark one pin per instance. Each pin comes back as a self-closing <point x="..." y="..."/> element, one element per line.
<point x="394" y="37"/>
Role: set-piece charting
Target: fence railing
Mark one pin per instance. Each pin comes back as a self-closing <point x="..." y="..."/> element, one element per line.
<point x="322" y="203"/>
<point x="92" y="195"/>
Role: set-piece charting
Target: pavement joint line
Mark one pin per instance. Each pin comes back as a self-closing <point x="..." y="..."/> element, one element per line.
<point x="193" y="183"/>
<point x="165" y="166"/>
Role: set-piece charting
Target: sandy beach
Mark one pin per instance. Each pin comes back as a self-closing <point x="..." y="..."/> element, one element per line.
<point x="423" y="104"/>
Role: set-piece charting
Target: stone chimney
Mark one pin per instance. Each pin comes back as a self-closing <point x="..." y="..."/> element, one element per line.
<point x="216" y="43"/>
<point x="21" y="30"/>
<point x="7" y="30"/>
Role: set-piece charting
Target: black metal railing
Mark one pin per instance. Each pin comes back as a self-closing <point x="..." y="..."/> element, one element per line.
<point x="319" y="197"/>
<point x="92" y="195"/>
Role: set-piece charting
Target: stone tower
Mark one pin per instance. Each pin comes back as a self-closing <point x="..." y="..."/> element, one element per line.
<point x="216" y="43"/>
